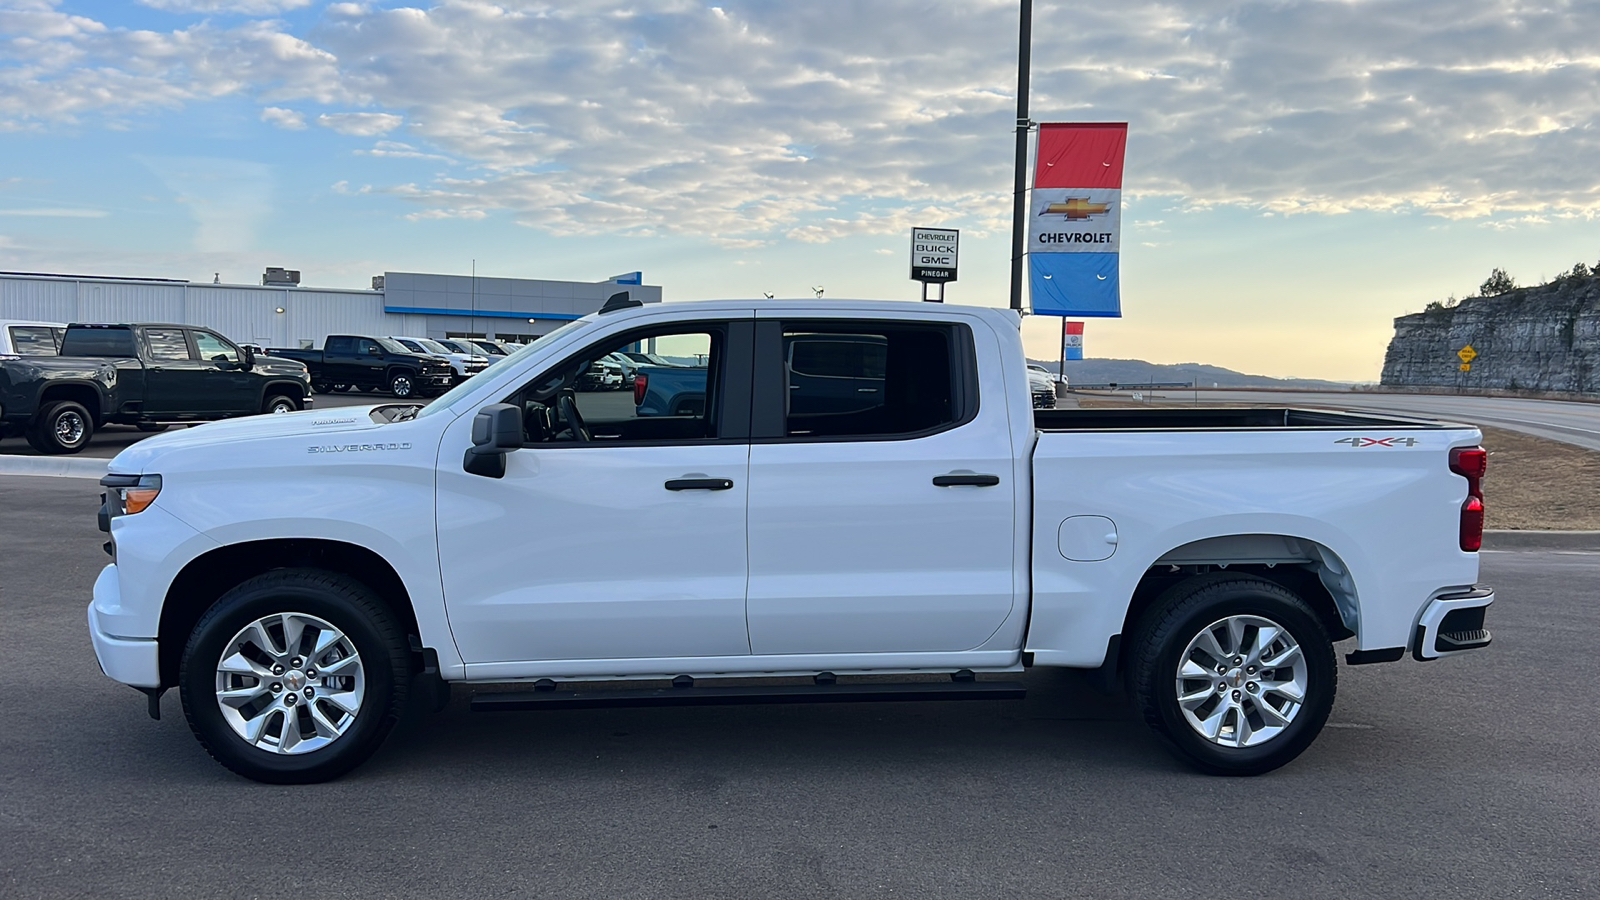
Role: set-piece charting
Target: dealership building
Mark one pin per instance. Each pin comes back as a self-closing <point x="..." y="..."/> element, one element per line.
<point x="280" y="313"/>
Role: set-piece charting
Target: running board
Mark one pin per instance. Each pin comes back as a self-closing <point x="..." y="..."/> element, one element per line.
<point x="728" y="696"/>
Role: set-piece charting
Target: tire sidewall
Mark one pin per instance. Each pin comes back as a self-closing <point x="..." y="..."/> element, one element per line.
<point x="276" y="399"/>
<point x="399" y="380"/>
<point x="48" y="442"/>
<point x="1254" y="599"/>
<point x="252" y="601"/>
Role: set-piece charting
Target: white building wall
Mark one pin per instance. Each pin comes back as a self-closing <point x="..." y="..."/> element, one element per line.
<point x="249" y="313"/>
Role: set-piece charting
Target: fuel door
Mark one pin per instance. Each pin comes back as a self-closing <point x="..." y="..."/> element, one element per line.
<point x="1087" y="538"/>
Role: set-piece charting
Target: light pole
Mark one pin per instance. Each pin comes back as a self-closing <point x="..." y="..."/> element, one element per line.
<point x="1019" y="215"/>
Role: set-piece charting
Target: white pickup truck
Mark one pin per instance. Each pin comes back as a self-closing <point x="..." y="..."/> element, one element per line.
<point x="877" y="499"/>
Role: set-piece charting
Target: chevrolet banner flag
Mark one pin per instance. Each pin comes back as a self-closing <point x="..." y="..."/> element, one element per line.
<point x="1076" y="219"/>
<point x="1072" y="340"/>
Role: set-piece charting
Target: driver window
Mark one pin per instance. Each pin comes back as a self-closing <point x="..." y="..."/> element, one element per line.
<point x="214" y="349"/>
<point x="666" y="391"/>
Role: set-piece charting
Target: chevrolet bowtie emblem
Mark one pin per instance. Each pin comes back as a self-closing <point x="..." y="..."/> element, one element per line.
<point x="1076" y="208"/>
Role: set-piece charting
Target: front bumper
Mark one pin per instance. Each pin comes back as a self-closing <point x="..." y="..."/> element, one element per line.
<point x="1044" y="401"/>
<point x="1453" y="623"/>
<point x="132" y="661"/>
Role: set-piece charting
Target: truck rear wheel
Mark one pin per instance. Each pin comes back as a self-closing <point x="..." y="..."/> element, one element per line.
<point x="295" y="676"/>
<point x="62" y="427"/>
<point x="1237" y="674"/>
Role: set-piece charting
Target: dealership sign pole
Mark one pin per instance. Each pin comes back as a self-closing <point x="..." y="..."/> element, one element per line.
<point x="933" y="257"/>
<point x="1076" y="219"/>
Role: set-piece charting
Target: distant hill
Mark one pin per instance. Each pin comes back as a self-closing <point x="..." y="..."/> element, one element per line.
<point x="1137" y="371"/>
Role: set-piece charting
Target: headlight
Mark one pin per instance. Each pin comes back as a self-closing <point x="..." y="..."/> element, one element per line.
<point x="129" y="494"/>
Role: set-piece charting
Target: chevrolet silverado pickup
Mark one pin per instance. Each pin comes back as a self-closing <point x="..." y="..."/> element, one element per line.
<point x="372" y="364"/>
<point x="298" y="577"/>
<point x="150" y="376"/>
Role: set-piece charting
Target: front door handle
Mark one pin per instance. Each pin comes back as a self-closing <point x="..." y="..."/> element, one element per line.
<point x="974" y="480"/>
<point x="699" y="484"/>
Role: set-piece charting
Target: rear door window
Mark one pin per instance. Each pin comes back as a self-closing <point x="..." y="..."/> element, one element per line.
<point x="166" y="344"/>
<point x="869" y="379"/>
<point x="35" y="340"/>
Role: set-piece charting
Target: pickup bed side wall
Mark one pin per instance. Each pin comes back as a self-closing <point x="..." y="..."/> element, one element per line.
<point x="1390" y="514"/>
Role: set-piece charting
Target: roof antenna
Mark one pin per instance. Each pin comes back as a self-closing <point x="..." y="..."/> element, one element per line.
<point x="767" y="294"/>
<point x="818" y="291"/>
<point x="216" y="277"/>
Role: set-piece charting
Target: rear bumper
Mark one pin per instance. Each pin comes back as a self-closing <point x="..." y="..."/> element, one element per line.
<point x="132" y="661"/>
<point x="1453" y="623"/>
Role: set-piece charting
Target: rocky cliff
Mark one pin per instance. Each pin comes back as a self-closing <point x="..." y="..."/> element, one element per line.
<point x="1544" y="338"/>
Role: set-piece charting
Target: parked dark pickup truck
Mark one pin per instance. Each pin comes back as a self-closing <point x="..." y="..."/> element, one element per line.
<point x="151" y="376"/>
<point x="350" y="361"/>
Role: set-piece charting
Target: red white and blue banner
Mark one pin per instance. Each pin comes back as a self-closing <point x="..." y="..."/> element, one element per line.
<point x="1072" y="340"/>
<point x="1076" y="219"/>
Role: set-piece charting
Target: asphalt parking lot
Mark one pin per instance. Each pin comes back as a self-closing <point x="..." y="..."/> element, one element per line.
<point x="1467" y="777"/>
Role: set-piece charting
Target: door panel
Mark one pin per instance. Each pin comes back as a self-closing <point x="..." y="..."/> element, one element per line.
<point x="584" y="553"/>
<point x="173" y="380"/>
<point x="853" y="548"/>
<point x="227" y="387"/>
<point x="627" y="544"/>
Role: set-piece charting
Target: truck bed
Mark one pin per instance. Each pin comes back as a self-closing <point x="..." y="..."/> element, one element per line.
<point x="1218" y="418"/>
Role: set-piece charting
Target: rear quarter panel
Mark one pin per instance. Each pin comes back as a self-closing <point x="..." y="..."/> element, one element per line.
<point x="1391" y="514"/>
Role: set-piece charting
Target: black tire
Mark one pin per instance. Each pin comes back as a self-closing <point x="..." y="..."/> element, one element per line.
<point x="151" y="427"/>
<point x="61" y="427"/>
<point x="1178" y="617"/>
<point x="341" y="601"/>
<point x="402" y="384"/>
<point x="318" y="387"/>
<point x="339" y="388"/>
<point x="280" y="403"/>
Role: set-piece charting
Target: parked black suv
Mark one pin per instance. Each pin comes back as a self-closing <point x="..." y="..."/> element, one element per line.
<point x="151" y="376"/>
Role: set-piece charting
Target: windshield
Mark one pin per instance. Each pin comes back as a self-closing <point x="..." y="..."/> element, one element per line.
<point x="448" y="397"/>
<point x="490" y="347"/>
<point x="433" y="346"/>
<point x="454" y="347"/>
<point x="392" y="346"/>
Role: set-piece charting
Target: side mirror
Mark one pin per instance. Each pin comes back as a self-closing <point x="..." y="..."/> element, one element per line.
<point x="496" y="431"/>
<point x="249" y="359"/>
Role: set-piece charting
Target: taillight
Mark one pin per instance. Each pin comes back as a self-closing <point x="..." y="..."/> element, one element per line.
<point x="1471" y="463"/>
<point x="641" y="381"/>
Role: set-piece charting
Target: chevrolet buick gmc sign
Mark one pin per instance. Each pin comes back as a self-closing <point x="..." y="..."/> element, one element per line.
<point x="933" y="254"/>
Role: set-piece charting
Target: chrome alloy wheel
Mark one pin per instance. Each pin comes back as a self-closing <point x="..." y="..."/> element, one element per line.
<point x="283" y="406"/>
<point x="1241" y="681"/>
<point x="290" y="683"/>
<point x="69" y="428"/>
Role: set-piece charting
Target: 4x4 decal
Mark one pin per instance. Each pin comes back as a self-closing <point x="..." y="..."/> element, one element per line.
<point x="1359" y="442"/>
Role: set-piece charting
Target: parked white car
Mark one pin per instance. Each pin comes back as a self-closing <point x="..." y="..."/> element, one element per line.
<point x="889" y="503"/>
<point x="465" y="365"/>
<point x="20" y="338"/>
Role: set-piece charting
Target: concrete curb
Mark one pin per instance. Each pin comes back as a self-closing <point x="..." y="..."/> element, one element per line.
<point x="1541" y="540"/>
<point x="56" y="466"/>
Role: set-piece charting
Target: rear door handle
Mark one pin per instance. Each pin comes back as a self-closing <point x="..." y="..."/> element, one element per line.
<point x="974" y="480"/>
<point x="699" y="484"/>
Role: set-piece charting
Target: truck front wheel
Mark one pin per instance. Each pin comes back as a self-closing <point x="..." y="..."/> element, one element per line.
<point x="280" y="403"/>
<point x="401" y="385"/>
<point x="1237" y="674"/>
<point x="295" y="676"/>
<point x="63" y="427"/>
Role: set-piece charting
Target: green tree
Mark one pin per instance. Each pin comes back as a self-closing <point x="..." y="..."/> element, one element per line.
<point x="1579" y="270"/>
<point x="1497" y="283"/>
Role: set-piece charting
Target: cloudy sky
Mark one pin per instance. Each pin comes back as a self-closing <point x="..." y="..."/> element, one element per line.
<point x="1298" y="173"/>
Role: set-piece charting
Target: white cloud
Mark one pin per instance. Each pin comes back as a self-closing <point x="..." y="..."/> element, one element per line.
<point x="360" y="124"/>
<point x="53" y="213"/>
<point x="286" y="119"/>
<point x="228" y="198"/>
<point x="753" y="121"/>
<point x="237" y="7"/>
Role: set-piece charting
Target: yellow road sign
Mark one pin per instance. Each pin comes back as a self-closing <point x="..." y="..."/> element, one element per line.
<point x="1466" y="367"/>
<point x="1467" y="354"/>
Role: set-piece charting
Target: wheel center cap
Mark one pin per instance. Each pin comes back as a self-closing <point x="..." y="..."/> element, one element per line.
<point x="1234" y="678"/>
<point x="294" y="680"/>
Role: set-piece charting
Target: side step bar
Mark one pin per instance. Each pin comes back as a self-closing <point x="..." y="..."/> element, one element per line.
<point x="739" y="694"/>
